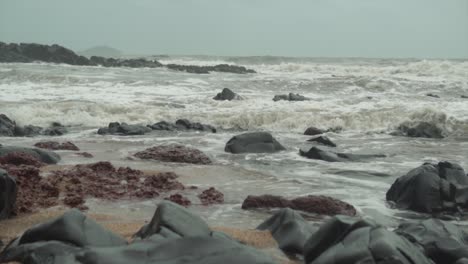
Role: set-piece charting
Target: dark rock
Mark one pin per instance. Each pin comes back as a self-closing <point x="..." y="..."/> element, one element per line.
<point x="185" y="124"/>
<point x="290" y="97"/>
<point x="132" y="63"/>
<point x="7" y="126"/>
<point x="442" y="241"/>
<point x="431" y="188"/>
<point x="316" y="204"/>
<point x="163" y="125"/>
<point x="254" y="142"/>
<point x="323" y="140"/>
<point x="124" y="129"/>
<point x="312" y="131"/>
<point x="208" y="69"/>
<point x="432" y="95"/>
<point x="53" y="145"/>
<point x="320" y="154"/>
<point x="174" y="153"/>
<point x="7" y="194"/>
<point x="42" y="155"/>
<point x="28" y="131"/>
<point x="464" y="96"/>
<point x="227" y="94"/>
<point x="85" y="154"/>
<point x="179" y="199"/>
<point x="21" y="158"/>
<point x="289" y="229"/>
<point x="56" y="129"/>
<point x="211" y="196"/>
<point x="176" y="219"/>
<point x="420" y="129"/>
<point x="347" y="240"/>
<point x="74" y="228"/>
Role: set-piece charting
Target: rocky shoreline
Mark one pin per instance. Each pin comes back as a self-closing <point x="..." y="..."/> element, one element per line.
<point x="31" y="52"/>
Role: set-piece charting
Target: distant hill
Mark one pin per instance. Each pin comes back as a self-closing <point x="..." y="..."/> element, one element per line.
<point x="103" y="51"/>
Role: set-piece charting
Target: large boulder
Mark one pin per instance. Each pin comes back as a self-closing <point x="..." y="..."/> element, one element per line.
<point x="7" y="126"/>
<point x="320" y="154"/>
<point x="290" y="97"/>
<point x="313" y="131"/>
<point x="227" y="94"/>
<point x="442" y="241"/>
<point x="124" y="129"/>
<point x="348" y="240"/>
<point x="254" y="142"/>
<point x="431" y="188"/>
<point x="174" y="153"/>
<point x="42" y="155"/>
<point x="176" y="220"/>
<point x="316" y="204"/>
<point x="7" y="194"/>
<point x="289" y="229"/>
<point x="420" y="129"/>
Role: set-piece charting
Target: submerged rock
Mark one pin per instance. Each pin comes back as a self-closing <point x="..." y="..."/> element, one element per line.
<point x="7" y="195"/>
<point x="227" y="94"/>
<point x="348" y="240"/>
<point x="253" y="142"/>
<point x="290" y="97"/>
<point x="182" y="124"/>
<point x="174" y="153"/>
<point x="431" y="188"/>
<point x="208" y="69"/>
<point x="289" y="229"/>
<point x="124" y="129"/>
<point x="324" y="140"/>
<point x="420" y="129"/>
<point x="316" y="204"/>
<point x="320" y="154"/>
<point x="42" y="155"/>
<point x="312" y="131"/>
<point x="53" y="145"/>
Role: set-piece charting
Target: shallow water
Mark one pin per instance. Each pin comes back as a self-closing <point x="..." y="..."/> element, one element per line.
<point x="367" y="98"/>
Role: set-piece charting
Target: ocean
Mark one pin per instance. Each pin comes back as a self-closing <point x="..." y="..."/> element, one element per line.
<point x="367" y="98"/>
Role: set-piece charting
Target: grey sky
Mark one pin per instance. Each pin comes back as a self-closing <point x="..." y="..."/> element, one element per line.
<point x="324" y="28"/>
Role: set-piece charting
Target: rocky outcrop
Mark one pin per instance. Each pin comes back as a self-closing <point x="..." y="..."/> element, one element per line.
<point x="324" y="140"/>
<point x="290" y="97"/>
<point x="53" y="145"/>
<point x="123" y="129"/>
<point x="130" y="63"/>
<point x="419" y="129"/>
<point x="442" y="241"/>
<point x="42" y="155"/>
<point x="174" y="153"/>
<point x="289" y="229"/>
<point x="182" y="125"/>
<point x="316" y="204"/>
<point x="9" y="128"/>
<point x="207" y="69"/>
<point x="320" y="154"/>
<point x="7" y="194"/>
<point x="253" y="142"/>
<point x="348" y="240"/>
<point x="211" y="196"/>
<point x="312" y="131"/>
<point x="431" y="188"/>
<point x="227" y="94"/>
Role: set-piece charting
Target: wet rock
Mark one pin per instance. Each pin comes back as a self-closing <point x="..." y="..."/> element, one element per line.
<point x="11" y="129"/>
<point x="7" y="126"/>
<point x="348" y="240"/>
<point x="431" y="188"/>
<point x="85" y="154"/>
<point x="464" y="96"/>
<point x="42" y="155"/>
<point x="320" y="154"/>
<point x="312" y="131"/>
<point x="163" y="125"/>
<point x="56" y="129"/>
<point x="132" y="63"/>
<point x="289" y="229"/>
<point x="21" y="158"/>
<point x="442" y="241"/>
<point x="7" y="195"/>
<point x="179" y="199"/>
<point x="432" y="95"/>
<point x="53" y="145"/>
<point x="211" y="196"/>
<point x="324" y="140"/>
<point x="227" y="94"/>
<point x="123" y="129"/>
<point x="207" y="69"/>
<point x="316" y="204"/>
<point x="419" y="129"/>
<point x="253" y="142"/>
<point x="185" y="124"/>
<point x="290" y="97"/>
<point x="176" y="219"/>
<point x="174" y="153"/>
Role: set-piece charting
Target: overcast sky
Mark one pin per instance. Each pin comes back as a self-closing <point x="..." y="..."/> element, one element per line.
<point x="318" y="28"/>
